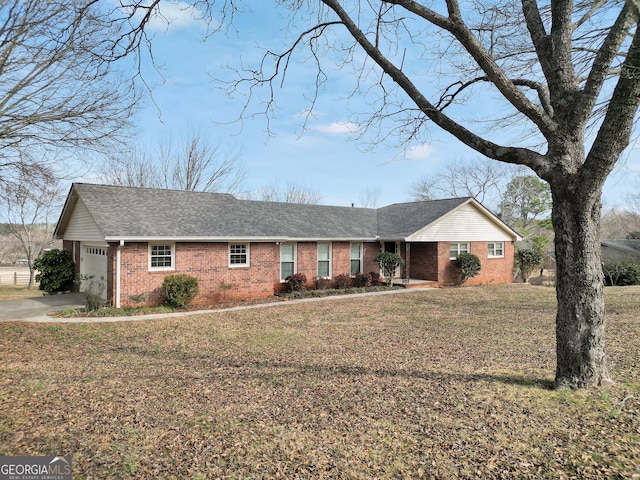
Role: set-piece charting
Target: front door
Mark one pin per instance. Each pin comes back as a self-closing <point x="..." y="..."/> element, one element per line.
<point x="393" y="247"/>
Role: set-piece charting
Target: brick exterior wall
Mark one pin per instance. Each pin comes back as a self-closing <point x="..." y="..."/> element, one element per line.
<point x="423" y="262"/>
<point x="209" y="263"/>
<point x="371" y="250"/>
<point x="307" y="261"/>
<point x="493" y="270"/>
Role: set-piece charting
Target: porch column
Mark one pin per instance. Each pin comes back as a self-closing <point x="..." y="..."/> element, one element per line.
<point x="407" y="261"/>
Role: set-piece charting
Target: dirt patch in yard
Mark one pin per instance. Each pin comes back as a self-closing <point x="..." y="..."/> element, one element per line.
<point x="435" y="384"/>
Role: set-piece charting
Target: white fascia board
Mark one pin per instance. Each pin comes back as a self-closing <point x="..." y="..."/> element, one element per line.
<point x="196" y="239"/>
<point x="393" y="239"/>
<point x="331" y="239"/>
<point x="239" y="239"/>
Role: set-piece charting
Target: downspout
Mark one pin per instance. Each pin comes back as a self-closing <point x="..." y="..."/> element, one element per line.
<point x="118" y="250"/>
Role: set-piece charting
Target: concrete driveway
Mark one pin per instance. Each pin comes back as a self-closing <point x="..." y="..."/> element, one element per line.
<point x="36" y="309"/>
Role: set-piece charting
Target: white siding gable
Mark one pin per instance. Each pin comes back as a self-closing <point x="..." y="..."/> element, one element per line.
<point x="465" y="224"/>
<point x="81" y="225"/>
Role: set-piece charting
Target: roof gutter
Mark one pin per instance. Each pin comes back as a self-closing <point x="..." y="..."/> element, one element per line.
<point x="118" y="274"/>
<point x="240" y="239"/>
<point x="195" y="239"/>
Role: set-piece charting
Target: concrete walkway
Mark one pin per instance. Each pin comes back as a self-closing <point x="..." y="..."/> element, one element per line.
<point x="38" y="309"/>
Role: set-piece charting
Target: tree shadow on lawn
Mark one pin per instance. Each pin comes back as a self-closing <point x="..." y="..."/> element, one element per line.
<point x="430" y="376"/>
<point x="258" y="369"/>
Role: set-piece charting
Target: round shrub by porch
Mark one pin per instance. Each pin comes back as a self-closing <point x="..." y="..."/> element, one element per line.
<point x="468" y="266"/>
<point x="180" y="289"/>
<point x="388" y="263"/>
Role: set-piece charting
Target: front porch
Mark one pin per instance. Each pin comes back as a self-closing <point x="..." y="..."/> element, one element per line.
<point x="414" y="283"/>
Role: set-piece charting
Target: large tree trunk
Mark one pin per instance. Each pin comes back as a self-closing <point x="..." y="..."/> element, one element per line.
<point x="580" y="321"/>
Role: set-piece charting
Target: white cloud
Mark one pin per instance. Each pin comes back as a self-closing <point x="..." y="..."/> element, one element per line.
<point x="172" y="15"/>
<point x="337" y="128"/>
<point x="419" y="152"/>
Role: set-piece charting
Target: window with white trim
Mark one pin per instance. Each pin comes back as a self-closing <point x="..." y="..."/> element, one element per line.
<point x="324" y="260"/>
<point x="356" y="258"/>
<point x="238" y="255"/>
<point x="495" y="249"/>
<point x="162" y="256"/>
<point x="456" y="249"/>
<point x="287" y="260"/>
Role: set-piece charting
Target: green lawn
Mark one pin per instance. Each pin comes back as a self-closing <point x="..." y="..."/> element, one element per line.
<point x="437" y="384"/>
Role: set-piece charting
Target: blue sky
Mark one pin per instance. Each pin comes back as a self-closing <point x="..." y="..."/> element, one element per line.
<point x="326" y="158"/>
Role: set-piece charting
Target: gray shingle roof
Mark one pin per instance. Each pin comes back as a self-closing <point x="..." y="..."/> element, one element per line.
<point x="402" y="219"/>
<point x="139" y="212"/>
<point x="629" y="246"/>
<point x="128" y="213"/>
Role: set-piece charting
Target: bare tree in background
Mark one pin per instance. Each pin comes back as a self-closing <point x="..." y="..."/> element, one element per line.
<point x="58" y="92"/>
<point x="195" y="165"/>
<point x="566" y="74"/>
<point x="289" y="193"/>
<point x="32" y="209"/>
<point x="369" y="197"/>
<point x="480" y="178"/>
<point x="620" y="224"/>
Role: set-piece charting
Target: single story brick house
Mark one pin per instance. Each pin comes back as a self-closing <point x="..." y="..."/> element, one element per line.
<point x="238" y="249"/>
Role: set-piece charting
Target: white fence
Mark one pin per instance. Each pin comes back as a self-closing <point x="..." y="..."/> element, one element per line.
<point x="9" y="277"/>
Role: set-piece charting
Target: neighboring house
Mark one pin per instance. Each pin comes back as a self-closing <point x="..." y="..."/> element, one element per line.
<point x="620" y="251"/>
<point x="134" y="237"/>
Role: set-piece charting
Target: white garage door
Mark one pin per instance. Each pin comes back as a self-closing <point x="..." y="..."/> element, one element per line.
<point x="93" y="262"/>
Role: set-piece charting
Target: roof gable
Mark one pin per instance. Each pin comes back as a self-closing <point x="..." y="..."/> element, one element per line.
<point x="454" y="219"/>
<point x="81" y="225"/>
<point x="467" y="222"/>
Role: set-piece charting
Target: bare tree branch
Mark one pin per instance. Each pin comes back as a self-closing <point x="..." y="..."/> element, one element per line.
<point x="31" y="206"/>
<point x="195" y="165"/>
<point x="57" y="92"/>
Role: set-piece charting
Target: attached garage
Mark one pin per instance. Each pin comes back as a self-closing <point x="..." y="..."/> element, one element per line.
<point x="87" y="244"/>
<point x="93" y="263"/>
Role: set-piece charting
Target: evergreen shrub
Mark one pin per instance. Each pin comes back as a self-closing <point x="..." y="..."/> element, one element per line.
<point x="180" y="289"/>
<point x="55" y="271"/>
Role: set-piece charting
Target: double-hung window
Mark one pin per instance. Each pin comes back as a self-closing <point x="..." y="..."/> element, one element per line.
<point x="324" y="260"/>
<point x="356" y="258"/>
<point x="238" y="255"/>
<point x="162" y="257"/>
<point x="495" y="249"/>
<point x="287" y="260"/>
<point x="456" y="249"/>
